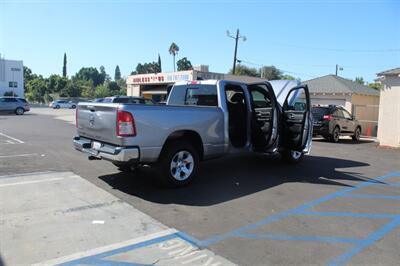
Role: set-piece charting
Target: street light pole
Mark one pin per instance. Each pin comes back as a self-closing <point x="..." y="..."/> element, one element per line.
<point x="237" y="37"/>
<point x="338" y="68"/>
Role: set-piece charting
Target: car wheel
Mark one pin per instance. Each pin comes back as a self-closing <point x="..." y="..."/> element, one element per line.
<point x="73" y="106"/>
<point x="335" y="135"/>
<point x="57" y="107"/>
<point x="291" y="156"/>
<point x="357" y="134"/>
<point x="178" y="164"/>
<point x="19" y="111"/>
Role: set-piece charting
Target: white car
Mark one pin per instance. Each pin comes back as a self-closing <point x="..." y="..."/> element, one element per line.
<point x="62" y="104"/>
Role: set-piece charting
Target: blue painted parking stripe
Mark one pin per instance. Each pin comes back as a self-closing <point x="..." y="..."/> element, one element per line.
<point x="349" y="214"/>
<point x="97" y="259"/>
<point x="371" y="239"/>
<point x="327" y="239"/>
<point x="371" y="196"/>
<point x="273" y="218"/>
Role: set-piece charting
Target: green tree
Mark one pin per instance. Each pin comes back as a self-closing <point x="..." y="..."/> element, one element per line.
<point x="173" y="50"/>
<point x="146" y="68"/>
<point x="90" y="74"/>
<point x="37" y="88"/>
<point x="242" y="70"/>
<point x="64" y="71"/>
<point x="102" y="91"/>
<point x="117" y="74"/>
<point x="287" y="77"/>
<point x="376" y="86"/>
<point x="359" y="80"/>
<point x="184" y="64"/>
<point x="28" y="76"/>
<point x="270" y="73"/>
<point x="159" y="64"/>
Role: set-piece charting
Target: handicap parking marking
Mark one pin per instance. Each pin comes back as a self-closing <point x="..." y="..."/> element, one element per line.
<point x="357" y="244"/>
<point x="166" y="247"/>
<point x="6" y="139"/>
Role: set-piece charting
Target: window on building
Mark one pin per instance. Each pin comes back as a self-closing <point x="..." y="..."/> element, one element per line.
<point x="12" y="84"/>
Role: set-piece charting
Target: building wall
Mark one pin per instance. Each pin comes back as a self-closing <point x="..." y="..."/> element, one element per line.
<point x="333" y="97"/>
<point x="366" y="110"/>
<point x="11" y="71"/>
<point x="389" y="112"/>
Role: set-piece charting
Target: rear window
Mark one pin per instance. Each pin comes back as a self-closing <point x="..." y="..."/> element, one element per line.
<point x="320" y="110"/>
<point x="121" y="100"/>
<point x="194" y="95"/>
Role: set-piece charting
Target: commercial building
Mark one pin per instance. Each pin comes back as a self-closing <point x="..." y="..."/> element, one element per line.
<point x="360" y="100"/>
<point x="155" y="86"/>
<point x="389" y="108"/>
<point x="11" y="77"/>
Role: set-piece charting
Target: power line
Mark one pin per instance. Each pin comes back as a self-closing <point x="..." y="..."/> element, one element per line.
<point x="388" y="50"/>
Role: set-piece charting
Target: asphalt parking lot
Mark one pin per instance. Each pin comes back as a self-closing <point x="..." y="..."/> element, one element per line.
<point x="340" y="206"/>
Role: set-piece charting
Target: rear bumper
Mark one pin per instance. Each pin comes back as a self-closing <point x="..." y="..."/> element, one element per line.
<point x="320" y="130"/>
<point x="107" y="151"/>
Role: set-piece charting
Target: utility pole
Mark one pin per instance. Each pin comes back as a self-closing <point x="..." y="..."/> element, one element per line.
<point x="337" y="69"/>
<point x="237" y="37"/>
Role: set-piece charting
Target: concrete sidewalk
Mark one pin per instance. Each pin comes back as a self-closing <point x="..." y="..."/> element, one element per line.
<point x="59" y="218"/>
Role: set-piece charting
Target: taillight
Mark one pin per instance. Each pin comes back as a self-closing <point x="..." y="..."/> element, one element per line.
<point x="125" y="124"/>
<point x="327" y="117"/>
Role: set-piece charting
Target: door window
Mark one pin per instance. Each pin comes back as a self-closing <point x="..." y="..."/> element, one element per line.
<point x="10" y="100"/>
<point x="346" y="115"/>
<point x="338" y="113"/>
<point x="297" y="101"/>
<point x="260" y="100"/>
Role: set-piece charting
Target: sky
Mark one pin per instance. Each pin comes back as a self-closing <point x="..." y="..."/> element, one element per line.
<point x="305" y="39"/>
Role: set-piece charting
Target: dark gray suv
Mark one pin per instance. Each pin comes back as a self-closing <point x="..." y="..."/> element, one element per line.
<point x="14" y="105"/>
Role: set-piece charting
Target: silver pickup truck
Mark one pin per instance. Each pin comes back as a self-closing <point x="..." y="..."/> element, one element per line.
<point x="201" y="120"/>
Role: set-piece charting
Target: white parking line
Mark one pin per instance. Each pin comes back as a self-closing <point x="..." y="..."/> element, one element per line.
<point x="30" y="182"/>
<point x="18" y="155"/>
<point x="17" y="140"/>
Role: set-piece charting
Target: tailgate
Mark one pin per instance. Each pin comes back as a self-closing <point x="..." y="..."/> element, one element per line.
<point x="98" y="121"/>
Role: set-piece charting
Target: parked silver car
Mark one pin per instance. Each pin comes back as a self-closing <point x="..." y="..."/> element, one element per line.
<point x="14" y="105"/>
<point x="62" y="104"/>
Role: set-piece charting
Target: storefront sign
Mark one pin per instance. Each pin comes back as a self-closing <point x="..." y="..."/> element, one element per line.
<point x="160" y="77"/>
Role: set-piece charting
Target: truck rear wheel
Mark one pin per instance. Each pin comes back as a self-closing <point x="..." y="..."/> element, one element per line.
<point x="178" y="164"/>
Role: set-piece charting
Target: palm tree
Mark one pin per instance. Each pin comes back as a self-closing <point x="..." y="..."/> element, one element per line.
<point x="173" y="49"/>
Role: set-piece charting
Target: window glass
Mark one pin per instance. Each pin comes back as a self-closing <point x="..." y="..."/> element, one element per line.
<point x="338" y="113"/>
<point x="122" y="100"/>
<point x="205" y="95"/>
<point x="297" y="100"/>
<point x="260" y="100"/>
<point x="22" y="100"/>
<point x="346" y="114"/>
<point x="10" y="100"/>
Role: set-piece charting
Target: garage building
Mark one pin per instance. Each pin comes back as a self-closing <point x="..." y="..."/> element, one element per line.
<point x="389" y="111"/>
<point x="360" y="100"/>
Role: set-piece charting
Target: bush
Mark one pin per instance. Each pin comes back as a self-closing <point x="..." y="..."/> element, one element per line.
<point x="10" y="93"/>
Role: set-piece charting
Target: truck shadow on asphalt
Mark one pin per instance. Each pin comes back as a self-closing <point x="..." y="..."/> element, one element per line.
<point x="233" y="177"/>
<point x="345" y="141"/>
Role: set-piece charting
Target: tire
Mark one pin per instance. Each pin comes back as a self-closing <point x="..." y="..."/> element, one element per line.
<point x="19" y="111"/>
<point x="357" y="134"/>
<point x="57" y="107"/>
<point x="178" y="164"/>
<point x="73" y="106"/>
<point x="292" y="157"/>
<point x="334" y="137"/>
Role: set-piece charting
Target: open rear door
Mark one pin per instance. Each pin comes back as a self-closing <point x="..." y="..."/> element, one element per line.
<point x="297" y="119"/>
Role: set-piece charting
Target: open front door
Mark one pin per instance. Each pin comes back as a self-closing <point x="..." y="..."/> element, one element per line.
<point x="297" y="119"/>
<point x="264" y="118"/>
